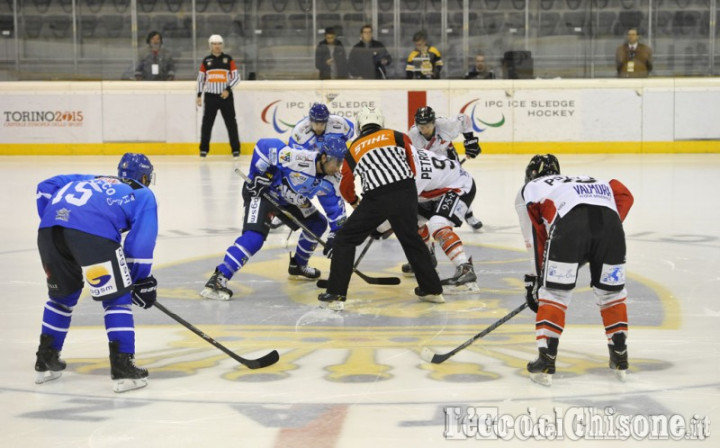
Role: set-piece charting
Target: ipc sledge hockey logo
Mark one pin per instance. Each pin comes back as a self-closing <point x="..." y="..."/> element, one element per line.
<point x="269" y="115"/>
<point x="476" y="120"/>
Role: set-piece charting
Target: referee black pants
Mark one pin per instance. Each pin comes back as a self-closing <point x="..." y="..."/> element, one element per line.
<point x="213" y="103"/>
<point x="398" y="205"/>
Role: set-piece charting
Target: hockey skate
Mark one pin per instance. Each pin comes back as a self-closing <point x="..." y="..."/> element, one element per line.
<point x="216" y="288"/>
<point x="619" y="356"/>
<point x="124" y="372"/>
<point x="407" y="270"/>
<point x="473" y="222"/>
<point x="236" y="155"/>
<point x="464" y="279"/>
<point x="542" y="369"/>
<point x="48" y="366"/>
<point x="302" y="272"/>
<point x="335" y="302"/>
<point x="427" y="297"/>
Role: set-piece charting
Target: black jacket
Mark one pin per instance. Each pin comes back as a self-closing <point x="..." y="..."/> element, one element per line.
<point x="322" y="54"/>
<point x="366" y="63"/>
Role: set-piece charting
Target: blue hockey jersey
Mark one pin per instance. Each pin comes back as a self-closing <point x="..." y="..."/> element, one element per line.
<point x="303" y="137"/>
<point x="105" y="206"/>
<point x="295" y="180"/>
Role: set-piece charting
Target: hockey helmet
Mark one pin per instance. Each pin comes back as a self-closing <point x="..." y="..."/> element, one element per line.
<point x="424" y="115"/>
<point x="319" y="113"/>
<point x="541" y="165"/>
<point x="136" y="166"/>
<point x="215" y="39"/>
<point x="369" y="116"/>
<point x="334" y="147"/>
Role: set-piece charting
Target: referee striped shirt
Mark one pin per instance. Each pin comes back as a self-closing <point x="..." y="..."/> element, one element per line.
<point x="382" y="159"/>
<point x="216" y="74"/>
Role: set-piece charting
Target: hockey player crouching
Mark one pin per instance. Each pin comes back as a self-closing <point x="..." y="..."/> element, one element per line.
<point x="445" y="193"/>
<point x="436" y="134"/>
<point x="293" y="177"/>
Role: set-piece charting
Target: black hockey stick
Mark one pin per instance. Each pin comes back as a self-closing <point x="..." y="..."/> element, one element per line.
<point x="267" y="360"/>
<point x="430" y="356"/>
<point x="367" y="278"/>
<point x="323" y="283"/>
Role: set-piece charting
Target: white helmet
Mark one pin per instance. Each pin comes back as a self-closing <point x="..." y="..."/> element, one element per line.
<point x="369" y="115"/>
<point x="215" y="39"/>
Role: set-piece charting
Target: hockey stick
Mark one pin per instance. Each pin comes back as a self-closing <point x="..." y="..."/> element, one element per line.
<point x="367" y="278"/>
<point x="264" y="361"/>
<point x="429" y="356"/>
<point x="323" y="283"/>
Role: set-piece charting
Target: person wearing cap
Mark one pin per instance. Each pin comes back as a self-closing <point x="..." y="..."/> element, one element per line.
<point x="217" y="76"/>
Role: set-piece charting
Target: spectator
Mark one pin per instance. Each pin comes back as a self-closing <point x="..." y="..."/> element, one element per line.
<point x="480" y="69"/>
<point x="633" y="59"/>
<point x="156" y="63"/>
<point x="330" y="57"/>
<point x="425" y="61"/>
<point x="368" y="58"/>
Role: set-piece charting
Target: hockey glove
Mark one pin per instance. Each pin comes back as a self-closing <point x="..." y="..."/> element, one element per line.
<point x="258" y="186"/>
<point x="382" y="232"/>
<point x="145" y="292"/>
<point x="472" y="148"/>
<point x="531" y="292"/>
<point x="328" y="249"/>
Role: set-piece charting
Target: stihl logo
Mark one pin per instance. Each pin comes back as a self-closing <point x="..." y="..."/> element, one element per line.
<point x="375" y="141"/>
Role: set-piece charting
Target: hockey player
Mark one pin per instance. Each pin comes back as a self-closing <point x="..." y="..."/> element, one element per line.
<point x="568" y="221"/>
<point x="383" y="160"/>
<point x="436" y="134"/>
<point x="293" y="177"/>
<point x="81" y="220"/>
<point x="309" y="132"/>
<point x="446" y="191"/>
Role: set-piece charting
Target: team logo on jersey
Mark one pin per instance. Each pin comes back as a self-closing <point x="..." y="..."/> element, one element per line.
<point x="62" y="215"/>
<point x="269" y="115"/>
<point x="613" y="275"/>
<point x="100" y="278"/>
<point x="285" y="156"/>
<point x="475" y="120"/>
<point x="562" y="273"/>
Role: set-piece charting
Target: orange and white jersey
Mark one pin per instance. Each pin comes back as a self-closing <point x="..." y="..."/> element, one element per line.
<point x="446" y="130"/>
<point x="436" y="175"/>
<point x="216" y="74"/>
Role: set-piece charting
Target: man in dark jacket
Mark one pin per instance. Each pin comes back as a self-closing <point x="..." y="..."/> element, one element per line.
<point x="330" y="57"/>
<point x="368" y="58"/>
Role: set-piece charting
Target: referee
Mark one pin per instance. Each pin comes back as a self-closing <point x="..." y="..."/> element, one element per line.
<point x="383" y="160"/>
<point x="218" y="75"/>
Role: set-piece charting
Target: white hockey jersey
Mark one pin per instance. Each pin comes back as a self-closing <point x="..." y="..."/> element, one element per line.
<point x="446" y="130"/>
<point x="303" y="137"/>
<point x="436" y="175"/>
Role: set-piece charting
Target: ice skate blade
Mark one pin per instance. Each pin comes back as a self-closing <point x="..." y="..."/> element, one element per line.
<point x="467" y="288"/>
<point x="302" y="278"/>
<point x="621" y="375"/>
<point x="127" y="384"/>
<point x="544" y="379"/>
<point x="211" y="294"/>
<point x="432" y="298"/>
<point x="408" y="274"/>
<point x="44" y="377"/>
<point x="333" y="306"/>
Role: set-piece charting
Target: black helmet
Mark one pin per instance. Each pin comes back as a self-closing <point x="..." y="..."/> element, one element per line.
<point x="424" y="115"/>
<point x="541" y="165"/>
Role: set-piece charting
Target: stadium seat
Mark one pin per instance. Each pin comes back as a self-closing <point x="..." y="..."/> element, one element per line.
<point x="493" y="23"/>
<point x="32" y="26"/>
<point x="114" y="25"/>
<point x="226" y="5"/>
<point x="272" y="25"/>
<point x="574" y="23"/>
<point x="60" y="26"/>
<point x="7" y="27"/>
<point x="88" y="26"/>
<point x="549" y="23"/>
<point x="353" y="21"/>
<point x="94" y="6"/>
<point x="41" y="5"/>
<point x="327" y="20"/>
<point x="663" y="23"/>
<point x="605" y="24"/>
<point x="66" y="5"/>
<point x="515" y="21"/>
<point x="686" y="23"/>
<point x="146" y="5"/>
<point x="629" y="19"/>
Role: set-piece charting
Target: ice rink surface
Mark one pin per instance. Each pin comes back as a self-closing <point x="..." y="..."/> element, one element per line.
<point x="355" y="378"/>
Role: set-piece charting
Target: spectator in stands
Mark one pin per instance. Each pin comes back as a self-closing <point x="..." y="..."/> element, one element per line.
<point x="425" y="61"/>
<point x="330" y="57"/>
<point x="480" y="69"/>
<point x="633" y="59"/>
<point x="156" y="63"/>
<point x="369" y="58"/>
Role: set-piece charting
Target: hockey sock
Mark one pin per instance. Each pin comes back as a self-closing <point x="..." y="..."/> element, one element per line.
<point x="239" y="253"/>
<point x="615" y="320"/>
<point x="425" y="235"/>
<point x="451" y="245"/>
<point x="119" y="323"/>
<point x="549" y="322"/>
<point x="56" y="318"/>
<point x="304" y="249"/>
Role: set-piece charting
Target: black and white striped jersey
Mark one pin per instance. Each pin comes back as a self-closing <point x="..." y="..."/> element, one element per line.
<point x="216" y="74"/>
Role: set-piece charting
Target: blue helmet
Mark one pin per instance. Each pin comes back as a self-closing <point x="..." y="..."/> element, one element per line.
<point x="135" y="166"/>
<point x="319" y="113"/>
<point x="334" y="147"/>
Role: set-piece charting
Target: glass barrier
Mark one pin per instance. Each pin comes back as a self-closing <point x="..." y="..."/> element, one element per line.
<point x="278" y="39"/>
